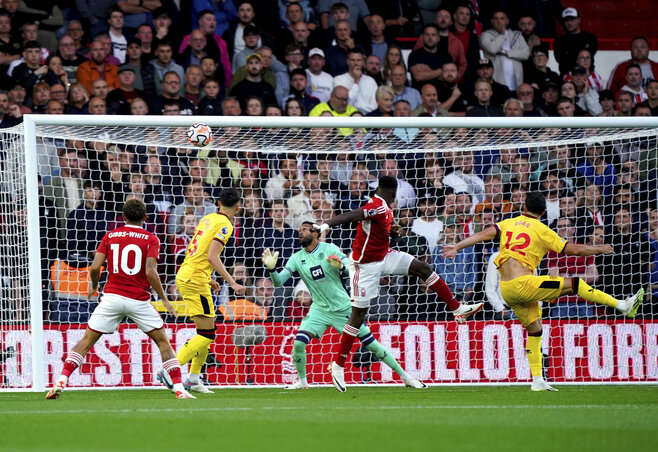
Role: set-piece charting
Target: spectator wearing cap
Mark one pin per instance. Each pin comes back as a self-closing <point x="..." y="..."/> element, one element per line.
<point x="253" y="84"/>
<point x="144" y="72"/>
<point x="593" y="79"/>
<point x="639" y="55"/>
<point x="549" y="96"/>
<point x="320" y="83"/>
<point x="607" y="101"/>
<point x="235" y="34"/>
<point x="298" y="89"/>
<point x="215" y="46"/>
<point x="568" y="45"/>
<point x="361" y="87"/>
<point x="538" y="74"/>
<point x="506" y="49"/>
<point x="425" y="63"/>
<point x="252" y="41"/>
<point x="118" y="100"/>
<point x="587" y="98"/>
<point x="634" y="83"/>
<point x="500" y="92"/>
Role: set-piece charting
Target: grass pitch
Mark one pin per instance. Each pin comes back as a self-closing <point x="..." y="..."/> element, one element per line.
<point x="579" y="418"/>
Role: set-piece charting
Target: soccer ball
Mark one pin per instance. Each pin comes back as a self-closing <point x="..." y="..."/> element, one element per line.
<point x="199" y="134"/>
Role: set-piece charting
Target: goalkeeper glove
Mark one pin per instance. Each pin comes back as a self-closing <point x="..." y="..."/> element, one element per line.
<point x="322" y="227"/>
<point x="269" y="259"/>
<point x="335" y="262"/>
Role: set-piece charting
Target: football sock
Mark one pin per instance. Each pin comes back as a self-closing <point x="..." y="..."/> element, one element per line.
<point x="299" y="358"/>
<point x="192" y="347"/>
<point x="593" y="295"/>
<point x="383" y="354"/>
<point x="173" y="369"/>
<point x="435" y="283"/>
<point x="346" y="342"/>
<point x="193" y="378"/>
<point x="533" y="351"/>
<point x="199" y="360"/>
<point x="73" y="361"/>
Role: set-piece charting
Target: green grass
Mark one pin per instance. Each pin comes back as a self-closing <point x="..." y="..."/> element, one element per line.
<point x="596" y="418"/>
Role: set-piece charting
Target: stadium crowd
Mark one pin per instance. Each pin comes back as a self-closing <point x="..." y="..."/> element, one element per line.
<point x="327" y="58"/>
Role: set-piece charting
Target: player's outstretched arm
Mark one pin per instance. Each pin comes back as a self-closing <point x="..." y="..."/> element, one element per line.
<point x="214" y="250"/>
<point x="95" y="274"/>
<point x="347" y="217"/>
<point x="450" y="251"/>
<point x="574" y="249"/>
<point x="153" y="278"/>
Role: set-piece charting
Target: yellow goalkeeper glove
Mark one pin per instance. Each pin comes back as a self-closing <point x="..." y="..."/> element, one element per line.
<point x="335" y="262"/>
<point x="269" y="259"/>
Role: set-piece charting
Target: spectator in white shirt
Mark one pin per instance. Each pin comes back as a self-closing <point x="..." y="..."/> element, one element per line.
<point x="361" y="87"/>
<point x="320" y="83"/>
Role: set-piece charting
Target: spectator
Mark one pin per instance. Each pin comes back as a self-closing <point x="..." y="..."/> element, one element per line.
<point x="9" y="45"/>
<point x="165" y="29"/>
<point x="634" y="83"/>
<point x="195" y="199"/>
<point x="527" y="95"/>
<point x="10" y="115"/>
<point x="607" y="102"/>
<point x="566" y="107"/>
<point x="17" y="97"/>
<point x="627" y="269"/>
<point x="355" y="9"/>
<point x="195" y="52"/>
<point x="427" y="225"/>
<point x="118" y="100"/>
<point x="506" y="49"/>
<point x="551" y="186"/>
<point x="494" y="198"/>
<point x="40" y="97"/>
<point x="501" y="93"/>
<point x="192" y="87"/>
<point x="571" y="306"/>
<point x="99" y="89"/>
<point x="594" y="80"/>
<point x="298" y="90"/>
<point x="212" y="27"/>
<point x="252" y="42"/>
<point x="469" y="39"/>
<point x="144" y="72"/>
<point x="320" y="82"/>
<point x="567" y="172"/>
<point x="275" y="233"/>
<point x="31" y="71"/>
<point x="513" y="108"/>
<point x="569" y="45"/>
<point x="119" y="41"/>
<point x="87" y="224"/>
<point x="596" y="170"/>
<point x="430" y="103"/>
<point x="526" y="24"/>
<point x="586" y="98"/>
<point x="238" y="30"/>
<point x="336" y="54"/>
<point x="337" y="105"/>
<point x="443" y="21"/>
<point x="96" y="68"/>
<point x="361" y="88"/>
<point x="483" y="93"/>
<point x="457" y="273"/>
<point x="406" y="195"/>
<point x="253" y="84"/>
<point x="75" y="31"/>
<point x="398" y="80"/>
<point x="464" y="179"/>
<point x="392" y="58"/>
<point x="144" y="37"/>
<point x="210" y="104"/>
<point x="78" y="100"/>
<point x="163" y="64"/>
<point x="356" y="194"/>
<point x="286" y="180"/>
<point x="625" y="103"/>
<point x="640" y="56"/>
<point x="294" y="107"/>
<point x="425" y="63"/>
<point x="181" y="240"/>
<point x="104" y="38"/>
<point x="231" y="106"/>
<point x="373" y="68"/>
<point x="503" y="168"/>
<point x="538" y="74"/>
<point x="652" y="96"/>
<point x="384" y="97"/>
<point x="642" y="109"/>
<point x="70" y="59"/>
<point x="590" y="214"/>
<point x="170" y="92"/>
<point x="302" y="205"/>
<point x="65" y="190"/>
<point x="449" y="92"/>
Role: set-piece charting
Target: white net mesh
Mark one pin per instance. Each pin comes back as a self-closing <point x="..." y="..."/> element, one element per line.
<point x="600" y="185"/>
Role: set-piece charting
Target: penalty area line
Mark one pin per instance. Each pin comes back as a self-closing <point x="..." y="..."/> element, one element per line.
<point x="329" y="408"/>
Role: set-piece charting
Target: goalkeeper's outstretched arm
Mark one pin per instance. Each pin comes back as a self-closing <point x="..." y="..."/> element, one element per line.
<point x="269" y="261"/>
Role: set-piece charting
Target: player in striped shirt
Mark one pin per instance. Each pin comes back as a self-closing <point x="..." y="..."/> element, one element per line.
<point x="319" y="265"/>
<point x="372" y="259"/>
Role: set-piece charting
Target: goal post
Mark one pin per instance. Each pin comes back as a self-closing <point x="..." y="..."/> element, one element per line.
<point x="583" y="345"/>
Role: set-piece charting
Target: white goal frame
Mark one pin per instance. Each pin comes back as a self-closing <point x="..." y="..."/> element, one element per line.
<point x="31" y="122"/>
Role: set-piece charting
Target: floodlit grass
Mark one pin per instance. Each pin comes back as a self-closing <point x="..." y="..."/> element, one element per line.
<point x="578" y="418"/>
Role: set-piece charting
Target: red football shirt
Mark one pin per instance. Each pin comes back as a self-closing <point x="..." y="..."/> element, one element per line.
<point x="126" y="249"/>
<point x="373" y="232"/>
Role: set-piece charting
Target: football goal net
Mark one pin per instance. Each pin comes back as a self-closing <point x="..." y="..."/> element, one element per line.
<point x="64" y="179"/>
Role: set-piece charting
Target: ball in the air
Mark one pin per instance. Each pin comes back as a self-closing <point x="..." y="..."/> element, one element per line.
<point x="199" y="134"/>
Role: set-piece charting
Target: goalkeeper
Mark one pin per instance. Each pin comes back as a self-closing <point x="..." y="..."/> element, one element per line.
<point x="319" y="265"/>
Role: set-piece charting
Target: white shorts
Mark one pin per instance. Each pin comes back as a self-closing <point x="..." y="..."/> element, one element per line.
<point x="113" y="308"/>
<point x="364" y="278"/>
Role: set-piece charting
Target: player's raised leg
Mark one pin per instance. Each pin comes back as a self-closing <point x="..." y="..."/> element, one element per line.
<point x="627" y="307"/>
<point x="170" y="376"/>
<point x="73" y="360"/>
<point x="461" y="312"/>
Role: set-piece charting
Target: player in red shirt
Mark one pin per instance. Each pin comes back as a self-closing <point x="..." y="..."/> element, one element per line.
<point x="132" y="254"/>
<point x="371" y="259"/>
